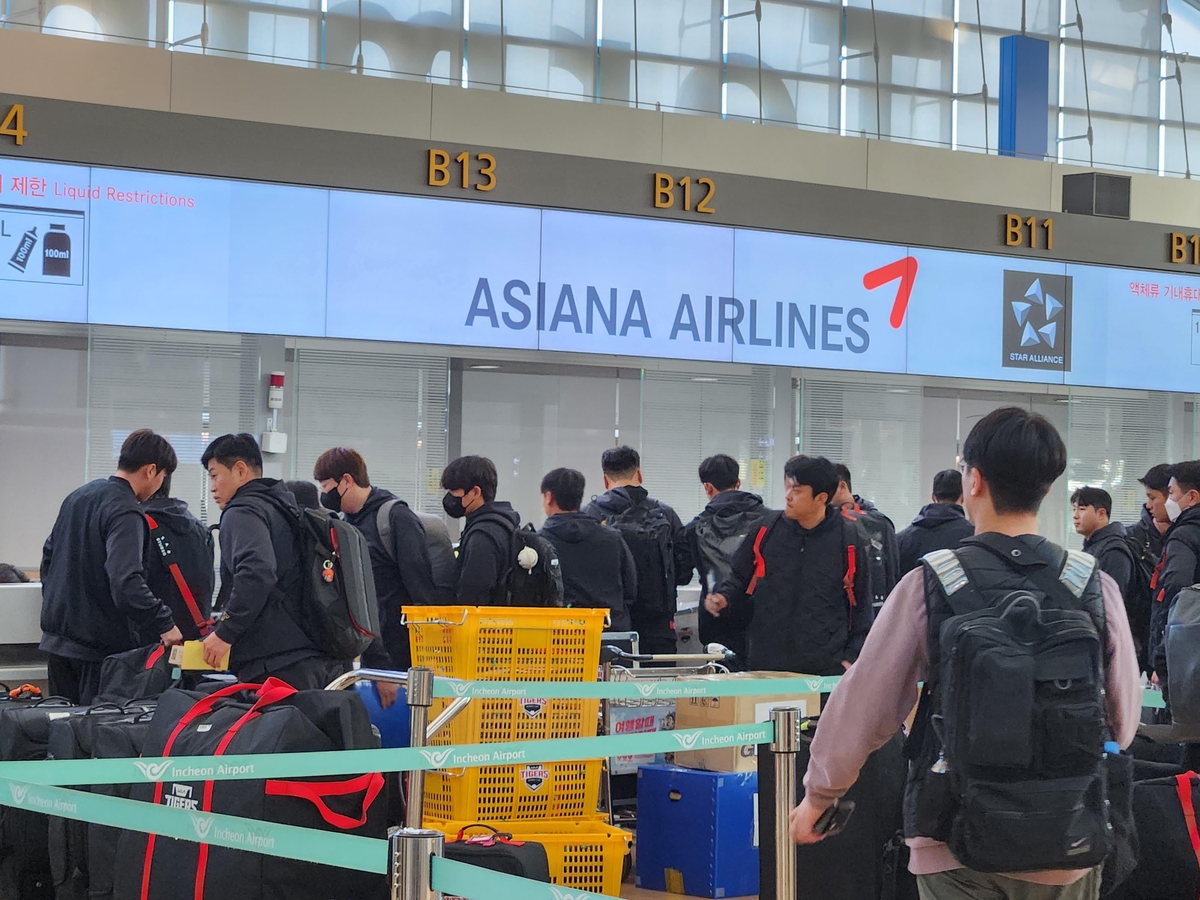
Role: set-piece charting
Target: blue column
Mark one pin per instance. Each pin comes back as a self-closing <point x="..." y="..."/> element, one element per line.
<point x="1024" y="96"/>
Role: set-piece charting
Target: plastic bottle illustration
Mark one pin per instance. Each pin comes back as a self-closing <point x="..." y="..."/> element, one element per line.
<point x="56" y="252"/>
<point x="20" y="259"/>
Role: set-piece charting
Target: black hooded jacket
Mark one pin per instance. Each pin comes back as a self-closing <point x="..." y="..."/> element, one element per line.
<point x="939" y="526"/>
<point x="597" y="567"/>
<point x="261" y="596"/>
<point x="1147" y="534"/>
<point x="802" y="618"/>
<point x="403" y="578"/>
<point x="95" y="598"/>
<point x="1112" y="554"/>
<point x="484" y="552"/>
<point x="1180" y="568"/>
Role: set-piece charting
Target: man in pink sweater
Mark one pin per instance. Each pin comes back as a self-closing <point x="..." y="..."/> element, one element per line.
<point x="1009" y="462"/>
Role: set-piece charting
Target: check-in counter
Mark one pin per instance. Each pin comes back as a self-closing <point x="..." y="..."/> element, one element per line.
<point x="20" y="632"/>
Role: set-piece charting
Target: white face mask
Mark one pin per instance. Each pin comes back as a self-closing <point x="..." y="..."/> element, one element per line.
<point x="1173" y="509"/>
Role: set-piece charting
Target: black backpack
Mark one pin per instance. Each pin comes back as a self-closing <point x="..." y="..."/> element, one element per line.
<point x="1018" y="705"/>
<point x="443" y="567"/>
<point x="719" y="536"/>
<point x="533" y="576"/>
<point x="649" y="534"/>
<point x="179" y="570"/>
<point x="336" y="581"/>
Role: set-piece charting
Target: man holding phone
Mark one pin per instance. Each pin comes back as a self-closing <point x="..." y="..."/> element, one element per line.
<point x="987" y="699"/>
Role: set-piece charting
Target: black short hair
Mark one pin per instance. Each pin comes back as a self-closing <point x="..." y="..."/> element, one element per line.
<point x="947" y="486"/>
<point x="815" y="471"/>
<point x="306" y="494"/>
<point x="142" y="448"/>
<point x="1093" y="496"/>
<point x="620" y="462"/>
<point x="566" y="487"/>
<point x="10" y="574"/>
<point x="1019" y="453"/>
<point x="164" y="490"/>
<point x="1158" y="478"/>
<point x="721" y="471"/>
<point x="468" y="472"/>
<point x="843" y="474"/>
<point x="1187" y="475"/>
<point x="229" y="448"/>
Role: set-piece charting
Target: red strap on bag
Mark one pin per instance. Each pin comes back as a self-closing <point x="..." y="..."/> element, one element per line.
<point x="271" y="691"/>
<point x="1183" y="786"/>
<point x="154" y="656"/>
<point x="315" y="793"/>
<point x="760" y="564"/>
<point x="189" y="598"/>
<point x="851" y="573"/>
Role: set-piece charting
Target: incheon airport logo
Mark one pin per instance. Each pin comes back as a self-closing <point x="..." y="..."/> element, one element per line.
<point x="1037" y="321"/>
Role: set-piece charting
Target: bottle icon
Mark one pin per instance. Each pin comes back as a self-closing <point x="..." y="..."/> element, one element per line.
<point x="20" y="259"/>
<point x="56" y="252"/>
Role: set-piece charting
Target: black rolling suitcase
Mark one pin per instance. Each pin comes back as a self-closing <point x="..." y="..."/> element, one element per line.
<point x="498" y="852"/>
<point x="74" y="738"/>
<point x="24" y="837"/>
<point x="247" y="719"/>
<point x="865" y="861"/>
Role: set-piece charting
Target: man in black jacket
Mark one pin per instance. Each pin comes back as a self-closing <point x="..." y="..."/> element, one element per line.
<point x="714" y="536"/>
<point x="179" y="562"/>
<point x="1152" y="527"/>
<point x="1103" y="538"/>
<point x="95" y="599"/>
<point x="939" y="526"/>
<point x="597" y="567"/>
<point x="1181" y="555"/>
<point x="805" y="570"/>
<point x="880" y="532"/>
<point x="655" y="537"/>
<point x="485" y="547"/>
<point x="261" y="600"/>
<point x="402" y="567"/>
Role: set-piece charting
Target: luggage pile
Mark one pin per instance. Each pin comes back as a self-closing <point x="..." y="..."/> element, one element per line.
<point x="553" y="804"/>
<point x="47" y="858"/>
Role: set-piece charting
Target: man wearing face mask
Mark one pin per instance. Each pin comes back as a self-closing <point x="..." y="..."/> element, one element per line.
<point x="484" y="549"/>
<point x="400" y="558"/>
<point x="1181" y="555"/>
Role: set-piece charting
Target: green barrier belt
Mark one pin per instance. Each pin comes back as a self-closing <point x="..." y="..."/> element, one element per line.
<point x="1153" y="699"/>
<point x="456" y="879"/>
<point x="449" y="688"/>
<point x="355" y="762"/>
<point x="330" y="848"/>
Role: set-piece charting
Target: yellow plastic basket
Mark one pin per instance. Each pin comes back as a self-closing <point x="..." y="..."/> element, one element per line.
<point x="586" y="856"/>
<point x="511" y="644"/>
<point x="558" y="790"/>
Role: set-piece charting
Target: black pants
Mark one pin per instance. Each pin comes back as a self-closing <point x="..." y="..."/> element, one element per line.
<point x="74" y="679"/>
<point x="311" y="674"/>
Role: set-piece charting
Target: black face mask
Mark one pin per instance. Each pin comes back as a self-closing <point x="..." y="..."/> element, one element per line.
<point x="332" y="500"/>
<point x="453" y="506"/>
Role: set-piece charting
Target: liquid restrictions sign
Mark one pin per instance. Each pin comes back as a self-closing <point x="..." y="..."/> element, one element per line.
<point x="41" y="245"/>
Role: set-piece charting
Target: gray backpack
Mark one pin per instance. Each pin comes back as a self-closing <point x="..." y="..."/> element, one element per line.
<point x="437" y="542"/>
<point x="1183" y="660"/>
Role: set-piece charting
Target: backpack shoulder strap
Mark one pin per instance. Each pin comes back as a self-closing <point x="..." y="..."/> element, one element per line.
<point x="850" y="572"/>
<point x="383" y="524"/>
<point x="1077" y="572"/>
<point x="189" y="599"/>
<point x="760" y="563"/>
<point x="948" y="569"/>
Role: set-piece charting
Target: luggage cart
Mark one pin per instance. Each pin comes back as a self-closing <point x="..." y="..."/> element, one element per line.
<point x="619" y="785"/>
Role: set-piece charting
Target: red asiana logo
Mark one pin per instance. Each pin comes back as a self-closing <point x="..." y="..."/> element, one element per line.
<point x="904" y="269"/>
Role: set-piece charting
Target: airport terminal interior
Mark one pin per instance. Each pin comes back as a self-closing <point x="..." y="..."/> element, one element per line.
<point x="535" y="231"/>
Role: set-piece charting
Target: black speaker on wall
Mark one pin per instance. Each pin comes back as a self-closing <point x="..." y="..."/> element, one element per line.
<point x="1096" y="194"/>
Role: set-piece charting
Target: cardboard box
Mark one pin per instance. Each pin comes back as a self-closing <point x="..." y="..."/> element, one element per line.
<point x="711" y="712"/>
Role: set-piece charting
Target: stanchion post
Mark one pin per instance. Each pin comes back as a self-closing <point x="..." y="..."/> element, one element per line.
<point x="785" y="747"/>
<point x="420" y="698"/>
<point x="410" y="863"/>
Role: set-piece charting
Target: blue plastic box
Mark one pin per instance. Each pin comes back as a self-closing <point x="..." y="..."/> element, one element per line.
<point x="696" y="832"/>
<point x="393" y="722"/>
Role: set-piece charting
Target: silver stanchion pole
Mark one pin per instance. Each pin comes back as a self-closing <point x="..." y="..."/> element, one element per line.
<point x="410" y="867"/>
<point x="420" y="698"/>
<point x="787" y="742"/>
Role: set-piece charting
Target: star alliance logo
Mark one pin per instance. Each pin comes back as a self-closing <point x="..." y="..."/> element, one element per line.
<point x="437" y="758"/>
<point x="154" y="771"/>
<point x="1037" y="321"/>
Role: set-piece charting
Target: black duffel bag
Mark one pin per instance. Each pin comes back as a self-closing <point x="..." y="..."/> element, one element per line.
<point x="248" y="719"/>
<point x="112" y="739"/>
<point x="498" y="852"/>
<point x="1168" y="867"/>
